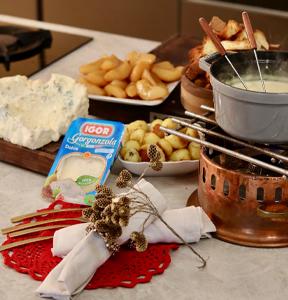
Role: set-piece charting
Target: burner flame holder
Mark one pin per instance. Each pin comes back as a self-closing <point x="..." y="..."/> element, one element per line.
<point x="249" y="210"/>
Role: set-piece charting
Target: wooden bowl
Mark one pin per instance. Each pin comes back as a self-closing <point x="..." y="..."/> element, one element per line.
<point x="193" y="96"/>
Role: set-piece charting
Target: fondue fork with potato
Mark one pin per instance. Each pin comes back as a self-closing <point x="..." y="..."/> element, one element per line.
<point x="217" y="43"/>
<point x="250" y="34"/>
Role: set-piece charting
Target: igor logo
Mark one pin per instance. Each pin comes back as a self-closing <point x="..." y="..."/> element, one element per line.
<point x="97" y="129"/>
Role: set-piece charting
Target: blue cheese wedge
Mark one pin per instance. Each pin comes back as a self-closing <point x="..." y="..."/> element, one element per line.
<point x="34" y="113"/>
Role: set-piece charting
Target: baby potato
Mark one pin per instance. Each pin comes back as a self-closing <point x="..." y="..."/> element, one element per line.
<point x="180" y="154"/>
<point x="137" y="124"/>
<point x="92" y="88"/>
<point x="155" y="122"/>
<point x="146" y="91"/>
<point x="165" y="146"/>
<point x="156" y="129"/>
<point x="132" y="145"/>
<point x="126" y="137"/>
<point x="168" y="123"/>
<point x="151" y="138"/>
<point x="168" y="75"/>
<point x="143" y="153"/>
<point x="191" y="132"/>
<point x="93" y="66"/>
<point x="138" y="135"/>
<point x="110" y="62"/>
<point x="132" y="155"/>
<point x="119" y="73"/>
<point x="121" y="83"/>
<point x="138" y="70"/>
<point x="115" y="91"/>
<point x="131" y="90"/>
<point x="96" y="77"/>
<point x="162" y="154"/>
<point x="164" y="65"/>
<point x="194" y="150"/>
<point x="123" y="151"/>
<point x="176" y="142"/>
<point x="151" y="78"/>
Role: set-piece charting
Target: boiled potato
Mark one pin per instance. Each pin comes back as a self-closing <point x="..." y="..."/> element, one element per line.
<point x="115" y="91"/>
<point x="123" y="151"/>
<point x="180" y="154"/>
<point x="164" y="65"/>
<point x="138" y="135"/>
<point x="168" y="123"/>
<point x="110" y="63"/>
<point x="119" y="73"/>
<point x="96" y="77"/>
<point x="191" y="132"/>
<point x="155" y="122"/>
<point x="92" y="88"/>
<point x="156" y="129"/>
<point x="121" y="83"/>
<point x="152" y="78"/>
<point x="150" y="138"/>
<point x="131" y="90"/>
<point x="126" y="137"/>
<point x="146" y="91"/>
<point x="138" y="70"/>
<point x="132" y="155"/>
<point x="168" y="75"/>
<point x="137" y="124"/>
<point x="93" y="66"/>
<point x="132" y="145"/>
<point x="194" y="150"/>
<point x="134" y="57"/>
<point x="176" y="142"/>
<point x="165" y="146"/>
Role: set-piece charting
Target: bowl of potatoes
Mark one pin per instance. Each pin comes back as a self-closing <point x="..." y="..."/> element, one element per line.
<point x="178" y="155"/>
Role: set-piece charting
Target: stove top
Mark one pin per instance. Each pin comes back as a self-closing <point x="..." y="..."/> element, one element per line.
<point x="25" y="50"/>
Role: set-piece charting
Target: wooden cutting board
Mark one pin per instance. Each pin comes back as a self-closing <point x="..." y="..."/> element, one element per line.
<point x="174" y="49"/>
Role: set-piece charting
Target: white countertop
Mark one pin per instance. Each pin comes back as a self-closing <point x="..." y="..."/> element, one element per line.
<point x="232" y="272"/>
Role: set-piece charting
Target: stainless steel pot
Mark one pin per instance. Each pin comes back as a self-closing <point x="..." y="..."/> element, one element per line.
<point x="248" y="115"/>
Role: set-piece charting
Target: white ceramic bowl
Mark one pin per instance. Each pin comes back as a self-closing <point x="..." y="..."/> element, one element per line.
<point x="170" y="168"/>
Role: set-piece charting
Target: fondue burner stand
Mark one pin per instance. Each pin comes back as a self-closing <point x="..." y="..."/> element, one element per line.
<point x="242" y="187"/>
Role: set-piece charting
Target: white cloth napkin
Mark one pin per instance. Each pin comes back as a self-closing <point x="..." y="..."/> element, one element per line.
<point x="72" y="274"/>
<point x="191" y="223"/>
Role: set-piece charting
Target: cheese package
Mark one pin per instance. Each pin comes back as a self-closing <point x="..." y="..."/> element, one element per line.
<point x="84" y="160"/>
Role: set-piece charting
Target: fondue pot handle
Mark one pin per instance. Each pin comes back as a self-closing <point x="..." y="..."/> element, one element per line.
<point x="206" y="62"/>
<point x="273" y="211"/>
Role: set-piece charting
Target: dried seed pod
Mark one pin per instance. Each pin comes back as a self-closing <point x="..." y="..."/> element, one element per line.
<point x="115" y="219"/>
<point x="125" y="175"/>
<point x="156" y="165"/>
<point x="102" y="202"/>
<point x="120" y="183"/>
<point x="141" y="243"/>
<point x="107" y="211"/>
<point x="103" y="189"/>
<point x="153" y="153"/>
<point x="124" y="211"/>
<point x="87" y="212"/>
<point x="124" y="201"/>
<point x="124" y="221"/>
<point x="101" y="226"/>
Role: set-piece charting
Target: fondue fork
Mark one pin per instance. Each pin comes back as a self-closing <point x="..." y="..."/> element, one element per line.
<point x="38" y="223"/>
<point x="217" y="43"/>
<point x="251" y="38"/>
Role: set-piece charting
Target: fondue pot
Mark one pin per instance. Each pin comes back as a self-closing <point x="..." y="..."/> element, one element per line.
<point x="249" y="115"/>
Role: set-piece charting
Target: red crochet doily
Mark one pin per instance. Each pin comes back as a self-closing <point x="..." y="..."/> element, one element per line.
<point x="126" y="268"/>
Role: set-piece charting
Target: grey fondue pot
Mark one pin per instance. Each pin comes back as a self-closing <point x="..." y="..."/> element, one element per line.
<point x="253" y="116"/>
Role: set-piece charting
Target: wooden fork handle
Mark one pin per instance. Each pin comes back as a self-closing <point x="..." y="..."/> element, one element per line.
<point x="41" y="213"/>
<point x="39" y="223"/>
<point x="249" y="29"/>
<point x="25" y="242"/>
<point x="216" y="41"/>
